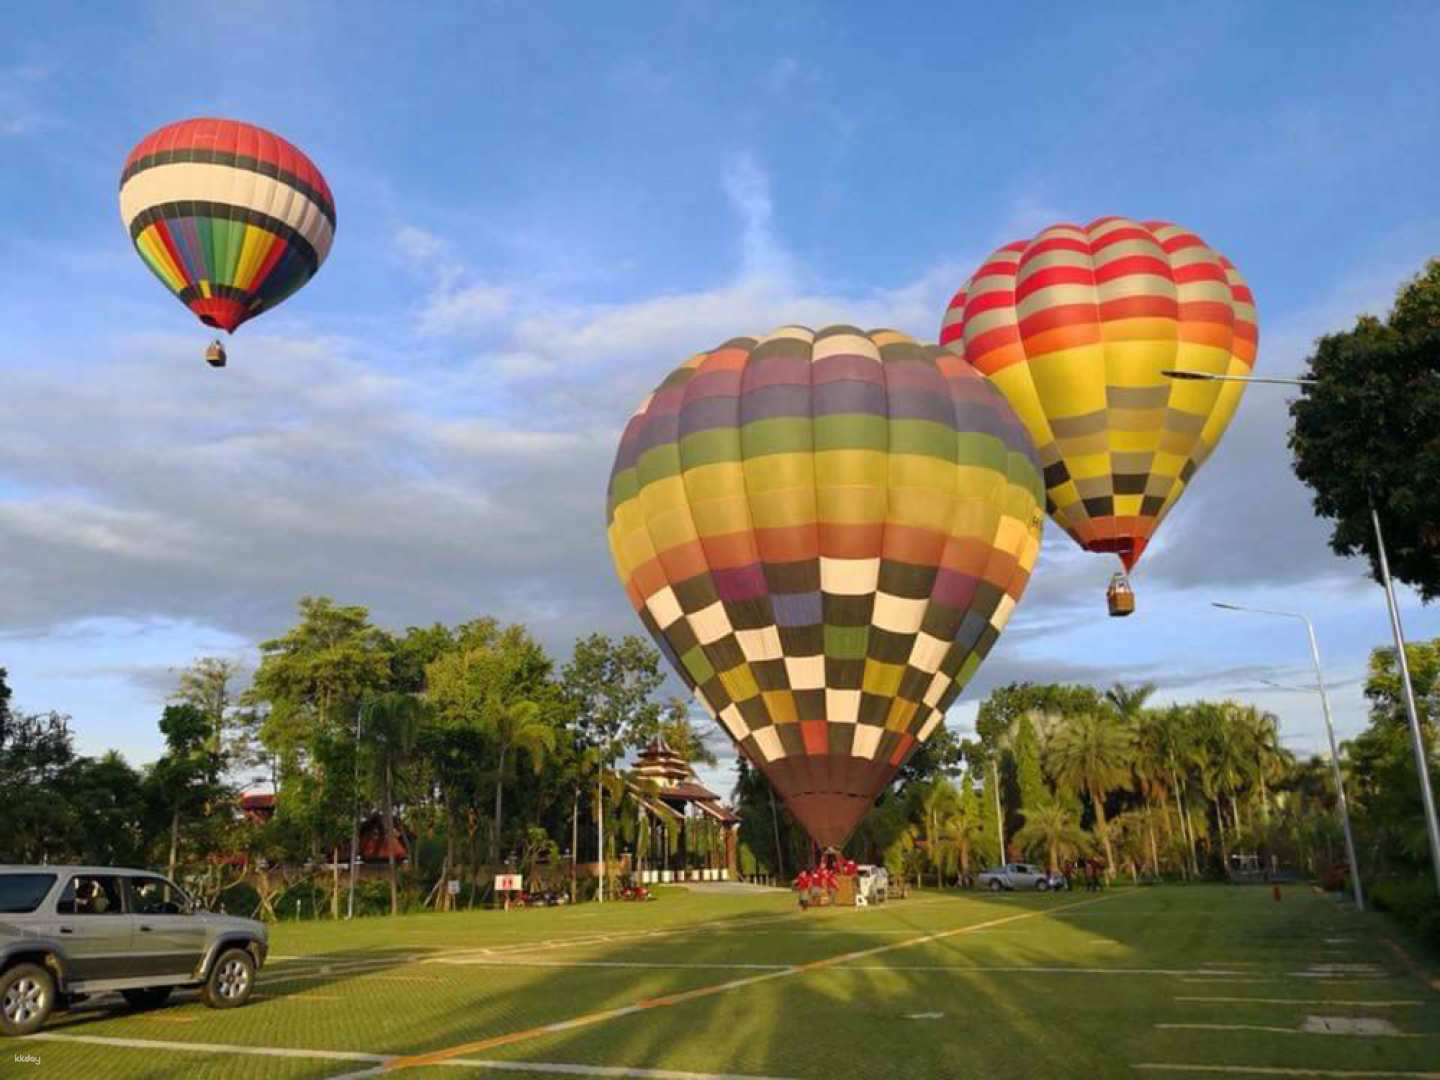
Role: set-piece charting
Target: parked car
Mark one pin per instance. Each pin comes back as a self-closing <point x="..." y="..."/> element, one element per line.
<point x="67" y="932"/>
<point x="872" y="885"/>
<point x="1015" y="876"/>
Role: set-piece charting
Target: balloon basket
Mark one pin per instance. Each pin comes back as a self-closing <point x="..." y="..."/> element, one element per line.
<point x="1120" y="597"/>
<point x="215" y="354"/>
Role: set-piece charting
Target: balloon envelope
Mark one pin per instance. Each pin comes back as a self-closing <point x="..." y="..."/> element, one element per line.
<point x="1074" y="327"/>
<point x="825" y="532"/>
<point x="230" y="217"/>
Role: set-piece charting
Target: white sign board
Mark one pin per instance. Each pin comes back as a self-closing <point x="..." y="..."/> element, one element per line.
<point x="507" y="883"/>
<point x="453" y="887"/>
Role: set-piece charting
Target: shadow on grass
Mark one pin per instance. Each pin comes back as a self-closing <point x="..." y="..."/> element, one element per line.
<point x="969" y="1003"/>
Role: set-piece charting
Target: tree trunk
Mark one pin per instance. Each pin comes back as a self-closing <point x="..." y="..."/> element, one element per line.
<point x="775" y="821"/>
<point x="495" y="828"/>
<point x="174" y="839"/>
<point x="390" y="840"/>
<point x="1099" y="801"/>
<point x="600" y="829"/>
<point x="1185" y="821"/>
<point x="447" y="903"/>
<point x="1154" y="851"/>
<point x="335" y="883"/>
<point x="574" y="840"/>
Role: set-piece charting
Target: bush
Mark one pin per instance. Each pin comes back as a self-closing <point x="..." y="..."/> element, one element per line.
<point x="1414" y="903"/>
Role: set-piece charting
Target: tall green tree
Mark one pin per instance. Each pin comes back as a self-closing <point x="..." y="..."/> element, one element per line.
<point x="1031" y="781"/>
<point x="390" y="729"/>
<point x="1053" y="829"/>
<point x="1092" y="754"/>
<point x="1365" y="429"/>
<point x="186" y="774"/>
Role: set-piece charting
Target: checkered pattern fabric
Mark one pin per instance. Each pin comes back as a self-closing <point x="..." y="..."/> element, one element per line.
<point x="1075" y="327"/>
<point x="825" y="532"/>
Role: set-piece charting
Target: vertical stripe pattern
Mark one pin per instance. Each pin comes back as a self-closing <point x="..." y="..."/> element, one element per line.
<point x="231" y="218"/>
<point x="825" y="532"/>
<point x="1074" y="328"/>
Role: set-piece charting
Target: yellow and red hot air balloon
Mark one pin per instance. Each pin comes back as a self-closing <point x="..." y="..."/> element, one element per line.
<point x="231" y="218"/>
<point x="825" y="532"/>
<point x="1075" y="327"/>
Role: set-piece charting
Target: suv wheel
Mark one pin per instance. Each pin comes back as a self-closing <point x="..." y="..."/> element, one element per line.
<point x="231" y="980"/>
<point x="995" y="885"/>
<point x="1042" y="885"/>
<point x="151" y="997"/>
<point x="27" y="995"/>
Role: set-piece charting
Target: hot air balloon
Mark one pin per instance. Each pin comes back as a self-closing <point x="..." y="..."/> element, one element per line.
<point x="825" y="532"/>
<point x="231" y="218"/>
<point x="1075" y="328"/>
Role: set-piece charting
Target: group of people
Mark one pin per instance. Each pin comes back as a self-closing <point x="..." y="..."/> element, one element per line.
<point x="1091" y="870"/>
<point x="824" y="880"/>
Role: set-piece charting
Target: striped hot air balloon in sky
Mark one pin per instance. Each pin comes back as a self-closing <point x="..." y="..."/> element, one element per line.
<point x="231" y="218"/>
<point x="825" y="532"/>
<point x="1074" y="327"/>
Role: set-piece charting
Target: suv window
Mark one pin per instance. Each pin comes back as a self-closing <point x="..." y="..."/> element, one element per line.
<point x="91" y="894"/>
<point x="22" y="893"/>
<point x="155" y="896"/>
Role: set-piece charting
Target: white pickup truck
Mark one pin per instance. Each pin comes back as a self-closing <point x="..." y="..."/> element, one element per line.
<point x="1017" y="875"/>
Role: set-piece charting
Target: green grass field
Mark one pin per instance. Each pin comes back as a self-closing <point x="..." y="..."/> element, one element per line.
<point x="1163" y="982"/>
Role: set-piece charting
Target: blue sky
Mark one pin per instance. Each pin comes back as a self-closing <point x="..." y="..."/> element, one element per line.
<point x="544" y="207"/>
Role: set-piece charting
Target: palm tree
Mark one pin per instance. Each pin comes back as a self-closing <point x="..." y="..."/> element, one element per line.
<point x="392" y="730"/>
<point x="1054" y="828"/>
<point x="938" y="803"/>
<point x="1129" y="701"/>
<point x="514" y="723"/>
<point x="1092" y="754"/>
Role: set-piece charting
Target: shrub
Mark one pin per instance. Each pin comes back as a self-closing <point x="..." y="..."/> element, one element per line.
<point x="1414" y="903"/>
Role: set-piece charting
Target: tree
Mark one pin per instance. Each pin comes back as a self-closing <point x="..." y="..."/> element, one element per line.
<point x="1092" y="754"/>
<point x="1029" y="778"/>
<point x="683" y="736"/>
<point x="1367" y="428"/>
<point x="389" y="731"/>
<point x="1052" y="828"/>
<point x="939" y="801"/>
<point x="516" y="724"/>
<point x="186" y="774"/>
<point x="205" y="685"/>
<point x="608" y="688"/>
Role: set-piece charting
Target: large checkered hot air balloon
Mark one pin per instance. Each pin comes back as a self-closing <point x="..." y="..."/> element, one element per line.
<point x="825" y="532"/>
<point x="1075" y="328"/>
<point x="231" y="218"/>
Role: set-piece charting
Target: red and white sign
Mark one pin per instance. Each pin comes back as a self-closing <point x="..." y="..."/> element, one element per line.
<point x="508" y="883"/>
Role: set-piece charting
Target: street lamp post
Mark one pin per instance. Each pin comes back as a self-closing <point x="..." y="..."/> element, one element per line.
<point x="1422" y="765"/>
<point x="1329" y="734"/>
<point x="355" y="818"/>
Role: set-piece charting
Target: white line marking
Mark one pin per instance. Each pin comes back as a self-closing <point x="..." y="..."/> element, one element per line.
<point x="560" y="1068"/>
<point x="519" y="963"/>
<point x="1275" y="1030"/>
<point x="1271" y="1070"/>
<point x="1305" y="1001"/>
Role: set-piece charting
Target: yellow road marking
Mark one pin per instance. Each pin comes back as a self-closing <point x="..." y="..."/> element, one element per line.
<point x="436" y="1057"/>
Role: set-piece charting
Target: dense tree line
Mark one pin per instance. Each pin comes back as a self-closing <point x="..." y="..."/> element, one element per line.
<point x="481" y="753"/>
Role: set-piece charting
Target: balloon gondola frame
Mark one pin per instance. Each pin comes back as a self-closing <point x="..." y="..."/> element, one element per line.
<point x="215" y="354"/>
<point x="1120" y="597"/>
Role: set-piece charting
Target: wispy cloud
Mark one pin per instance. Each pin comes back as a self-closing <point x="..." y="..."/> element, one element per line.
<point x="23" y="110"/>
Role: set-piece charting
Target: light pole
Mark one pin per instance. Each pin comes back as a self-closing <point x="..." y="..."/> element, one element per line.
<point x="1329" y="733"/>
<point x="355" y="822"/>
<point x="1417" y="741"/>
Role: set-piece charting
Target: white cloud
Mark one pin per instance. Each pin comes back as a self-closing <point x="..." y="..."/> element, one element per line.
<point x="22" y="95"/>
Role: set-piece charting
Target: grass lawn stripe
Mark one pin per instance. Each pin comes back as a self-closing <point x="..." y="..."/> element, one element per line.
<point x="1289" y="1031"/>
<point x="1273" y="1070"/>
<point x="438" y="1056"/>
<point x="563" y="1068"/>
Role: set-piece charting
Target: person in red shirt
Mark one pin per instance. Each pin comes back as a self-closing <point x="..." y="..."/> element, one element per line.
<point x="802" y="886"/>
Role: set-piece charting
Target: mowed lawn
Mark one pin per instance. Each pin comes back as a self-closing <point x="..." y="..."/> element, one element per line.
<point x="1170" y="981"/>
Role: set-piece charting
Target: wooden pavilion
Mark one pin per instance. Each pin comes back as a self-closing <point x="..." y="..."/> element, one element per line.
<point x="672" y="798"/>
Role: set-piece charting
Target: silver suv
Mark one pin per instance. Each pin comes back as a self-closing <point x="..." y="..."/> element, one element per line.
<point x="1019" y="876"/>
<point x="67" y="932"/>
